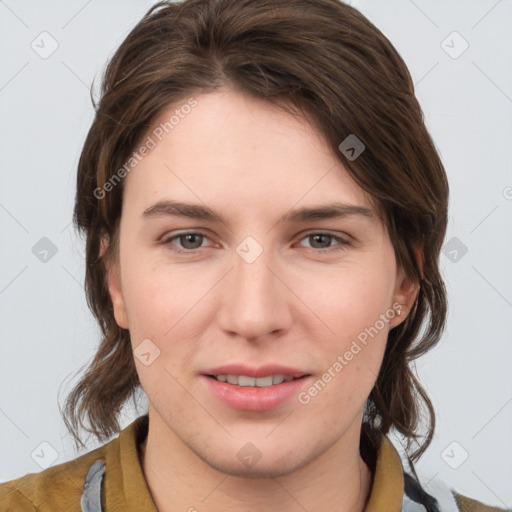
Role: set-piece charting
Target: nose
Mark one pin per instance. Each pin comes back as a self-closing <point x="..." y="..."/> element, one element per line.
<point x="256" y="301"/>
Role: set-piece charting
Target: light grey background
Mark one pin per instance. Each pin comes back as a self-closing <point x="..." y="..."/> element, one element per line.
<point x="47" y="330"/>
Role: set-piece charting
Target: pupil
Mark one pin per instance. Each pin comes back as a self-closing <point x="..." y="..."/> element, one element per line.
<point x="316" y="237"/>
<point x="187" y="240"/>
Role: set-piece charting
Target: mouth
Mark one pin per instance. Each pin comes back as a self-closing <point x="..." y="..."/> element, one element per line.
<point x="258" y="382"/>
<point x="251" y="389"/>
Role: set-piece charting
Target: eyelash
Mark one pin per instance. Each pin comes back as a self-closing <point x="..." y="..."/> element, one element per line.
<point x="343" y="244"/>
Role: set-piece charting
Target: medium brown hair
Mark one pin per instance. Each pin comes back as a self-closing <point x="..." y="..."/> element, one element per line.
<point x="324" y="60"/>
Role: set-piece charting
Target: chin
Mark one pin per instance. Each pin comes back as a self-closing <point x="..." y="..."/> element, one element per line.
<point x="279" y="466"/>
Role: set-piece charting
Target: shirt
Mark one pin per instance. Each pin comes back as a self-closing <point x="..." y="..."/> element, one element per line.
<point x="115" y="477"/>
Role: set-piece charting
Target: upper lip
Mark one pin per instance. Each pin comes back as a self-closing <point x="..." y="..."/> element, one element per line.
<point x="260" y="371"/>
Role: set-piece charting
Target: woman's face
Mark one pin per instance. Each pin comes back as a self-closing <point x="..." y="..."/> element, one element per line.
<point x="244" y="281"/>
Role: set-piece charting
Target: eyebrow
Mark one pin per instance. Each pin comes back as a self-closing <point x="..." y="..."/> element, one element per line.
<point x="200" y="212"/>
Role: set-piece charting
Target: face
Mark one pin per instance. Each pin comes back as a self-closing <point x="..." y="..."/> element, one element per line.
<point x="249" y="281"/>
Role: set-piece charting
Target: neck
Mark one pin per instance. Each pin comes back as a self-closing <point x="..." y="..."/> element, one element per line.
<point x="338" y="480"/>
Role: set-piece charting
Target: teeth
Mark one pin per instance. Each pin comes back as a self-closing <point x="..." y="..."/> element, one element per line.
<point x="244" y="381"/>
<point x="260" y="382"/>
<point x="232" y="379"/>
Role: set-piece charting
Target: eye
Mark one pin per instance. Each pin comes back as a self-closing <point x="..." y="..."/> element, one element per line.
<point x="322" y="241"/>
<point x="189" y="242"/>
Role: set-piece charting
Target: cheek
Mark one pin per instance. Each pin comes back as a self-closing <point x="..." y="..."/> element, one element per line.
<point x="348" y="299"/>
<point x="349" y="369"/>
<point x="160" y="296"/>
<point x="354" y="309"/>
<point x="164" y="306"/>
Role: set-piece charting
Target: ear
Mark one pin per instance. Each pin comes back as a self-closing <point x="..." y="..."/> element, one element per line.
<point x="114" y="285"/>
<point x="406" y="292"/>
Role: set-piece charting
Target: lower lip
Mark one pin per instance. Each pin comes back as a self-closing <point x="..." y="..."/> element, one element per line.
<point x="249" y="398"/>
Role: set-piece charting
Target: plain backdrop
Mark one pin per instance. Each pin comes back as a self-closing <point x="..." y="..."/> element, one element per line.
<point x="459" y="55"/>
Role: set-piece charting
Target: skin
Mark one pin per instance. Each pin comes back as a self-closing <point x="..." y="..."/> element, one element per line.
<point x="294" y="305"/>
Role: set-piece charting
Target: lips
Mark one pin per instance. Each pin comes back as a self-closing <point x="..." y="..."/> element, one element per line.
<point x="243" y="392"/>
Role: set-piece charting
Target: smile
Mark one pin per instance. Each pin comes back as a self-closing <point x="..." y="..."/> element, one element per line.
<point x="259" y="382"/>
<point x="256" y="394"/>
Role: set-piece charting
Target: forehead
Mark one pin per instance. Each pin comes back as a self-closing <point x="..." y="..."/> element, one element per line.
<point x="234" y="149"/>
